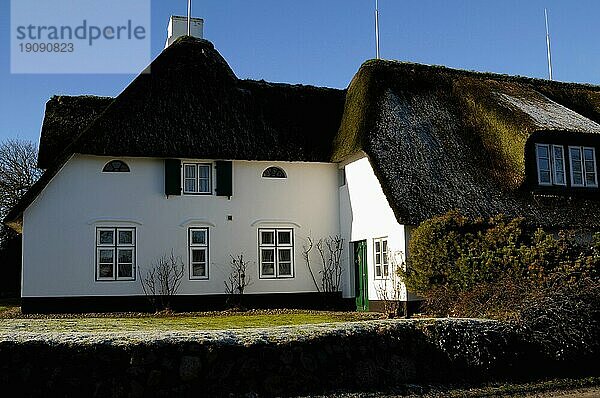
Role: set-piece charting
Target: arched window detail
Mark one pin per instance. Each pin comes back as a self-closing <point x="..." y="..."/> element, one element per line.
<point x="274" y="172"/>
<point x="116" y="166"/>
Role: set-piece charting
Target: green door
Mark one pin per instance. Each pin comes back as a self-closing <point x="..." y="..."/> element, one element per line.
<point x="360" y="276"/>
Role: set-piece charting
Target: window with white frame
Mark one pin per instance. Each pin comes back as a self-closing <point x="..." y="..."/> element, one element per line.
<point x="550" y="164"/>
<point x="380" y="250"/>
<point x="197" y="178"/>
<point x="583" y="166"/>
<point x="198" y="253"/>
<point x="276" y="253"/>
<point x="115" y="253"/>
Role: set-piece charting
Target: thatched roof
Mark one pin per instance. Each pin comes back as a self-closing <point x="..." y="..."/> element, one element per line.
<point x="441" y="139"/>
<point x="192" y="105"/>
<point x="65" y="119"/>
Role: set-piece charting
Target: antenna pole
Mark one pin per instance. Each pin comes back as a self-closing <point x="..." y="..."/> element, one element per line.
<point x="548" y="45"/>
<point x="189" y="18"/>
<point x="376" y="29"/>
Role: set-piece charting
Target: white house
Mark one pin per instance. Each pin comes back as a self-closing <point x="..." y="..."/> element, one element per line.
<point x="191" y="159"/>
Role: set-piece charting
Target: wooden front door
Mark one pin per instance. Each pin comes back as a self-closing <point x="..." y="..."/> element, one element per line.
<point x="360" y="276"/>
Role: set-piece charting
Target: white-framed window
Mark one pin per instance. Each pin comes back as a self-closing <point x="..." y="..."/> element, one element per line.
<point x="550" y="161"/>
<point x="274" y="172"/>
<point x="276" y="253"/>
<point x="197" y="178"/>
<point x="115" y="253"/>
<point x="381" y="257"/>
<point x="583" y="166"/>
<point x="198" y="253"/>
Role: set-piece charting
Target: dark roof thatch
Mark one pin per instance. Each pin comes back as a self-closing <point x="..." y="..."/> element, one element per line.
<point x="441" y="139"/>
<point x="66" y="117"/>
<point x="190" y="104"/>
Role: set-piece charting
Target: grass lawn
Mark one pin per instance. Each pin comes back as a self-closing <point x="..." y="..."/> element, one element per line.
<point x="11" y="320"/>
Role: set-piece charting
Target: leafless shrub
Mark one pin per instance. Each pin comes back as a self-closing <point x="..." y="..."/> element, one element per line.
<point x="306" y="249"/>
<point x="330" y="251"/>
<point x="162" y="280"/>
<point x="238" y="278"/>
<point x="18" y="171"/>
<point x="389" y="289"/>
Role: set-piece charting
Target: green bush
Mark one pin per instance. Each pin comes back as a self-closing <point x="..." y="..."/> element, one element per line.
<point x="476" y="267"/>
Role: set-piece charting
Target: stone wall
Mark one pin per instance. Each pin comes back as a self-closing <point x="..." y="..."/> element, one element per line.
<point x="268" y="362"/>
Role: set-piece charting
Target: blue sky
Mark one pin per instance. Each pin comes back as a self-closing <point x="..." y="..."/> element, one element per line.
<point x="323" y="42"/>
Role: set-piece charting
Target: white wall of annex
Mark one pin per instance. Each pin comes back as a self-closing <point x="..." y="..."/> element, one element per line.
<point x="366" y="215"/>
<point x="59" y="227"/>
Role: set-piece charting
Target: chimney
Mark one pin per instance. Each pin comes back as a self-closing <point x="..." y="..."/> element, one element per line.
<point x="178" y="28"/>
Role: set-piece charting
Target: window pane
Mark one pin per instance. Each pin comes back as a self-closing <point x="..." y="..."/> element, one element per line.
<point x="285" y="255"/>
<point x="199" y="256"/>
<point x="284" y="237"/>
<point x="190" y="171"/>
<point x="267" y="238"/>
<point x="590" y="179"/>
<point x="204" y="171"/>
<point x="542" y="151"/>
<point x="285" y="269"/>
<point x="267" y="255"/>
<point x="589" y="166"/>
<point x="544" y="164"/>
<point x="125" y="237"/>
<point x="105" y="271"/>
<point x="558" y="153"/>
<point x="384" y="243"/>
<point x="559" y="178"/>
<point x="268" y="268"/>
<point x="378" y="270"/>
<point x="385" y="258"/>
<point x="377" y="246"/>
<point x="106" y="256"/>
<point x="125" y="256"/>
<point x="204" y="185"/>
<point x="199" y="270"/>
<point x="385" y="270"/>
<point x="377" y="258"/>
<point x="577" y="179"/>
<point x="545" y="176"/>
<point x="106" y="237"/>
<point x="588" y="154"/>
<point x="575" y="154"/>
<point x="125" y="270"/>
<point x="558" y="165"/>
<point x="190" y="185"/>
<point x="198" y="237"/>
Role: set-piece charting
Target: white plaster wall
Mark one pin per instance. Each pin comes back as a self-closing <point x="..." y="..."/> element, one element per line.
<point x="59" y="227"/>
<point x="365" y="214"/>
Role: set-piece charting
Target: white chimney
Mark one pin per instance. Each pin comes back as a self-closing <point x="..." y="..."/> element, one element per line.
<point x="178" y="27"/>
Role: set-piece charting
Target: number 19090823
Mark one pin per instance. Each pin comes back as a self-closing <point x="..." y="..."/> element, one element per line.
<point x="46" y="47"/>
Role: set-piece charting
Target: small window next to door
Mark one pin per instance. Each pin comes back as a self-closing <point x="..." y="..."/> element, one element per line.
<point x="381" y="259"/>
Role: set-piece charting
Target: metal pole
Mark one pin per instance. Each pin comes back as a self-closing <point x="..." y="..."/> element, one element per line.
<point x="376" y="29"/>
<point x="548" y="45"/>
<point x="189" y="18"/>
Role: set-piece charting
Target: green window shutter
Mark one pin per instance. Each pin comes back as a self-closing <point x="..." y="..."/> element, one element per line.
<point x="224" y="178"/>
<point x="172" y="177"/>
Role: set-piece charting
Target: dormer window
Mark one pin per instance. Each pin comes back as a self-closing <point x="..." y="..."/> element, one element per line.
<point x="550" y="164"/>
<point x="583" y="166"/>
<point x="116" y="166"/>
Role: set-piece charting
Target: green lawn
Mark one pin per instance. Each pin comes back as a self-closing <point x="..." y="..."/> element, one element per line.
<point x="176" y="322"/>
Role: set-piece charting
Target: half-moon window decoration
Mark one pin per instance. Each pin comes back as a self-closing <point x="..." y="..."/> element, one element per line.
<point x="116" y="166"/>
<point x="274" y="172"/>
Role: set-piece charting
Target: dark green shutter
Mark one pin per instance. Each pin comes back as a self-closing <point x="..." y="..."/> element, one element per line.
<point x="224" y="178"/>
<point x="172" y="177"/>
